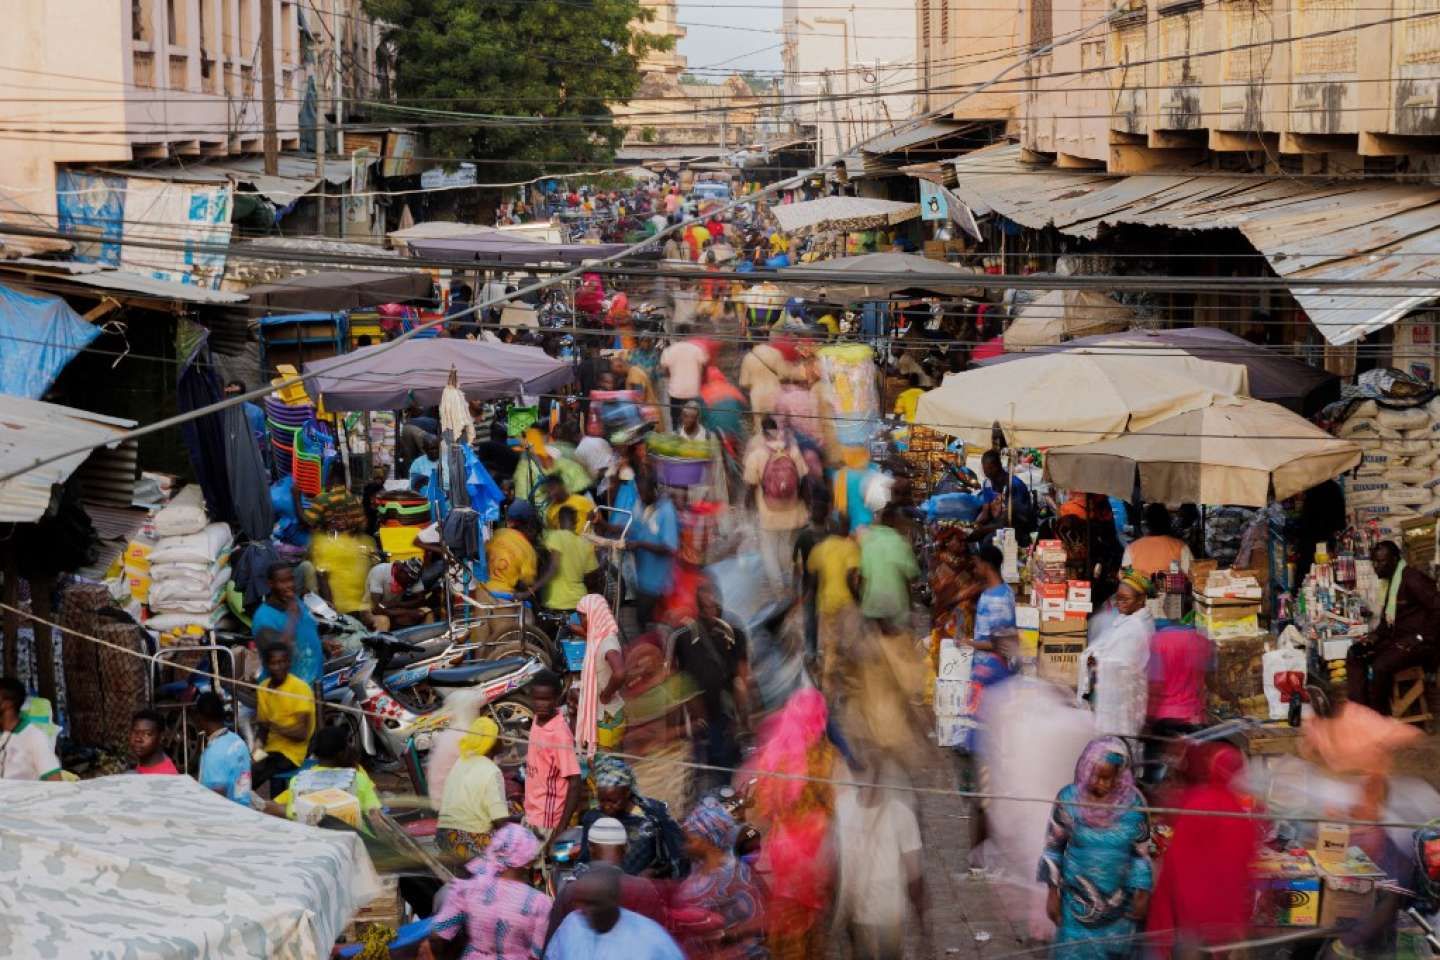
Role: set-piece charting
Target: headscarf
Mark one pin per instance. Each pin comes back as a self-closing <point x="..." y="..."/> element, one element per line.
<point x="480" y="738"/>
<point x="1136" y="580"/>
<point x="511" y="846"/>
<point x="1100" y="752"/>
<point x="718" y="388"/>
<point x="786" y="743"/>
<point x="611" y="771"/>
<point x="599" y="625"/>
<point x="712" y="823"/>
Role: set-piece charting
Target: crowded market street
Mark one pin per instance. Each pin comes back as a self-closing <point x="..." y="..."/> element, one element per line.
<point x="497" y="490"/>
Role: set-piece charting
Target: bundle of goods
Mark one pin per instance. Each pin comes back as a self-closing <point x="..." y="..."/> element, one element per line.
<point x="678" y="462"/>
<point x="1227" y="603"/>
<point x="622" y="411"/>
<point x="105" y="683"/>
<point x="851" y="388"/>
<point x="189" y="566"/>
<point x="1399" y="477"/>
<point x="1224" y="530"/>
<point x="1061" y="610"/>
<point x="928" y="455"/>
<point x="949" y="567"/>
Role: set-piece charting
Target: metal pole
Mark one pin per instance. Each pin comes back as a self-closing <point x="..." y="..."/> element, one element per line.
<point x="337" y="92"/>
<point x="267" y="87"/>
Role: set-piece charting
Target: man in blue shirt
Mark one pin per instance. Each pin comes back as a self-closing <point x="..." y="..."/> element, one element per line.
<point x="225" y="763"/>
<point x="600" y="929"/>
<point x="655" y="537"/>
<point x="284" y="618"/>
<point x="1012" y="508"/>
<point x="422" y="468"/>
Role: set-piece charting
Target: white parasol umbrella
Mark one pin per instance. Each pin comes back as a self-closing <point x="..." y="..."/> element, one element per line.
<point x="1234" y="452"/>
<point x="1064" y="399"/>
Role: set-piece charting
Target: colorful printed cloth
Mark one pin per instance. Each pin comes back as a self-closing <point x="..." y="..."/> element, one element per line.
<point x="503" y="919"/>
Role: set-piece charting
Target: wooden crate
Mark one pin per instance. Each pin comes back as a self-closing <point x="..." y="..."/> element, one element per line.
<point x="388" y="909"/>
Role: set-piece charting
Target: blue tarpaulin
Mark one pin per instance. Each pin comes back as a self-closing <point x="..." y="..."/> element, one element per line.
<point x="40" y="335"/>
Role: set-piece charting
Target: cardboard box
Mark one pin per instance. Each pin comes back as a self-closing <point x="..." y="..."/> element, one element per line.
<point x="1029" y="643"/>
<point x="332" y="801"/>
<point x="1050" y="591"/>
<point x="1058" y="660"/>
<point x="1287" y="891"/>
<point x="1077" y="606"/>
<point x="1226" y="629"/>
<point x="1332" y="839"/>
<point x="952" y="731"/>
<point x="1027" y="617"/>
<point x="1078" y="591"/>
<point x="1066" y="629"/>
<point x="1347" y="886"/>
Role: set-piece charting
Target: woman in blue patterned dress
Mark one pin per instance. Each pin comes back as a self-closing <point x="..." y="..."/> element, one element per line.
<point x="1097" y="857"/>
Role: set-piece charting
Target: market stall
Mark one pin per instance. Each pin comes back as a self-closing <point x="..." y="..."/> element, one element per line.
<point x="176" y="871"/>
<point x="1063" y="315"/>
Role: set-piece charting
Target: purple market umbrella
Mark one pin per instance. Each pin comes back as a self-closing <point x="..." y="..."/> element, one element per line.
<point x="386" y="377"/>
<point x="1274" y="377"/>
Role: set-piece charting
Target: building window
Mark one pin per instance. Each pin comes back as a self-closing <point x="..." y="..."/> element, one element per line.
<point x="1042" y="23"/>
<point x="172" y="24"/>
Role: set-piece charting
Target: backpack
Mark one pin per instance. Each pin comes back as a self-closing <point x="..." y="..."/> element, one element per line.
<point x="780" y="481"/>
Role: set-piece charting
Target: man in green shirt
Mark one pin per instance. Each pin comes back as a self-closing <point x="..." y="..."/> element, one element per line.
<point x="571" y="561"/>
<point x="887" y="565"/>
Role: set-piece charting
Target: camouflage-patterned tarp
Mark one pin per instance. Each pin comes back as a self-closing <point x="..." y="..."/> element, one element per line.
<point x="152" y="868"/>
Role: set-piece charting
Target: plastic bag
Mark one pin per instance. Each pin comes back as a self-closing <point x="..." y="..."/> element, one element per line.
<point x="1279" y="670"/>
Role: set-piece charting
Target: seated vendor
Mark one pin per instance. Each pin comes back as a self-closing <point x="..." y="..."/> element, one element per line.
<point x="331" y="752"/>
<point x="1006" y="501"/>
<point x="1408" y="634"/>
<point x="1154" y="552"/>
<point x="392" y="594"/>
<point x="342" y="557"/>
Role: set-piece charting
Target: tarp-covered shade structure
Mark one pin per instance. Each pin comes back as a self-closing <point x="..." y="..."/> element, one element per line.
<point x="332" y="290"/>
<point x="1234" y="452"/>
<point x="42" y="335"/>
<point x="880" y="274"/>
<point x="1290" y="382"/>
<point x="32" y="430"/>
<point x="388" y="376"/>
<point x="1063" y="399"/>
<point x="1062" y="315"/>
<point x="842" y="213"/>
<point x="506" y="249"/>
<point x="161" y="867"/>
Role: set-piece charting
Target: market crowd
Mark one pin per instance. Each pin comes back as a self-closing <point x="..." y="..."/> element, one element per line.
<point x="764" y="613"/>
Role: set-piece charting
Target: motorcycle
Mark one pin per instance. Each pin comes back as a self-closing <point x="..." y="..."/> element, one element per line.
<point x="405" y="707"/>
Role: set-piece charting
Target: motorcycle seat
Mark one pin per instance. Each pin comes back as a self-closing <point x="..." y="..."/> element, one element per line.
<point x="421" y="632"/>
<point x="470" y="673"/>
<point x="405" y="658"/>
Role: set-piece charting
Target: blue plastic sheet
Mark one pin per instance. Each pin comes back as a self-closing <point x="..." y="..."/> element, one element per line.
<point x="41" y="335"/>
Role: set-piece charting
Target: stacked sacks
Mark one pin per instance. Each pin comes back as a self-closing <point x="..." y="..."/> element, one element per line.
<point x="1399" y="476"/>
<point x="189" y="567"/>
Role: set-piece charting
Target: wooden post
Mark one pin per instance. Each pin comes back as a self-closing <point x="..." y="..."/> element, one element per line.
<point x="40" y="590"/>
<point x="267" y="87"/>
<point x="10" y="596"/>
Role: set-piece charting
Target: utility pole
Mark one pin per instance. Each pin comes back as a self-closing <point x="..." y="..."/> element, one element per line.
<point x="267" y="87"/>
<point x="339" y="101"/>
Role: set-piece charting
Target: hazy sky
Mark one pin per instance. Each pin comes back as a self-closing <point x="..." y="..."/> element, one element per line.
<point x="756" y="47"/>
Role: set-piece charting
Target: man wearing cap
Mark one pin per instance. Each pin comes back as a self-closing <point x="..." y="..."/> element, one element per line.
<point x="652" y="838"/>
<point x="608" y="845"/>
<point x="602" y="929"/>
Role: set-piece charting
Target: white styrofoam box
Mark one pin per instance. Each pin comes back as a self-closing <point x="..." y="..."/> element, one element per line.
<point x="955" y="661"/>
<point x="1335" y="649"/>
<point x="951" y="731"/>
<point x="951" y="698"/>
<point x="1027" y="617"/>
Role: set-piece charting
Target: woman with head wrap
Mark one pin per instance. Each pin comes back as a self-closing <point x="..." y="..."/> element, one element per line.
<point x="1096" y="861"/>
<point x="1113" y="671"/>
<point x="602" y="710"/>
<point x="1205" y="890"/>
<point x="652" y="838"/>
<point x="795" y="809"/>
<point x="721" y="883"/>
<point x="473" y="801"/>
<point x="504" y="918"/>
<point x="659" y="708"/>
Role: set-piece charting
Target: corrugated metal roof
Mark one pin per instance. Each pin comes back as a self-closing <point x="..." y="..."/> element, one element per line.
<point x="1342" y="230"/>
<point x="158" y="289"/>
<point x="295" y="178"/>
<point x="32" y="430"/>
<point x="842" y="213"/>
<point x="930" y="132"/>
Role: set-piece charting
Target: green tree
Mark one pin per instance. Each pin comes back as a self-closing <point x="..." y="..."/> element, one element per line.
<point x="563" y="62"/>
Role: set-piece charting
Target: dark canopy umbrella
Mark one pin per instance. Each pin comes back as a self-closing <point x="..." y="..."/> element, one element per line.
<point x="332" y="290"/>
<point x="389" y="377"/>
<point x="1274" y="377"/>
<point x="884" y="274"/>
<point x="492" y="250"/>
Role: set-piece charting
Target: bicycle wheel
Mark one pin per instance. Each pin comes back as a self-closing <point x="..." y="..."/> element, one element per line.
<point x="523" y="642"/>
<point x="515" y="717"/>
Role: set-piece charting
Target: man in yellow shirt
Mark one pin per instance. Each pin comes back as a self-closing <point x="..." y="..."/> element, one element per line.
<point x="830" y="563"/>
<point x="510" y="554"/>
<point x="909" y="399"/>
<point x="581" y="505"/>
<point x="572" y="561"/>
<point x="284" y="717"/>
